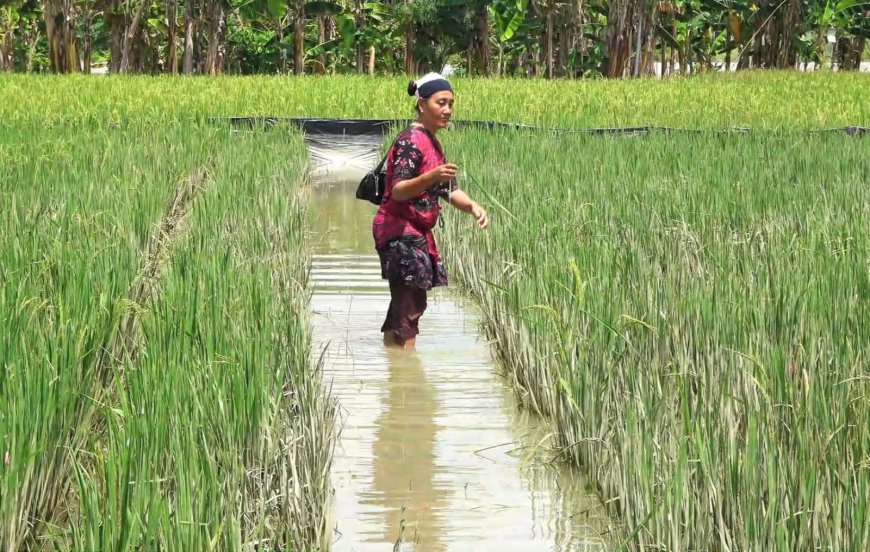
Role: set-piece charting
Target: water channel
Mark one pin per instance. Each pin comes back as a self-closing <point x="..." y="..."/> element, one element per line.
<point x="434" y="455"/>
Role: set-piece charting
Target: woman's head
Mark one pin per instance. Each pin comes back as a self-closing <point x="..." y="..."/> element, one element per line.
<point x="434" y="95"/>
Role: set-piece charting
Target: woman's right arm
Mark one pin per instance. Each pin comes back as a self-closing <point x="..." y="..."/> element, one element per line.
<point x="412" y="187"/>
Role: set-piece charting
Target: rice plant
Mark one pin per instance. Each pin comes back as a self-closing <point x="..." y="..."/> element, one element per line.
<point x="764" y="99"/>
<point x="157" y="390"/>
<point x="75" y="215"/>
<point x="229" y="442"/>
<point x="691" y="313"/>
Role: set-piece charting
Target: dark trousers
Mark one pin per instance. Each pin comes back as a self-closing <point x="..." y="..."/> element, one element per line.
<point x="407" y="305"/>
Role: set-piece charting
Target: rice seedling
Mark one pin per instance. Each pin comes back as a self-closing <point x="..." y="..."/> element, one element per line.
<point x="75" y="215"/>
<point x="156" y="388"/>
<point x="221" y="430"/>
<point x="691" y="314"/>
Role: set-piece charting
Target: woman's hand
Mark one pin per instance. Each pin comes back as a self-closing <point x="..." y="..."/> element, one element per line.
<point x="444" y="172"/>
<point x="411" y="188"/>
<point x="479" y="214"/>
<point x="461" y="201"/>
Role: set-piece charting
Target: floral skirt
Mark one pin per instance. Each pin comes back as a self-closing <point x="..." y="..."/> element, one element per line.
<point x="406" y="259"/>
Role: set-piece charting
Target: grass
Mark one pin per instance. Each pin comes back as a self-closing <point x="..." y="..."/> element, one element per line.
<point x="159" y="353"/>
<point x="691" y="314"/>
<point x="765" y="99"/>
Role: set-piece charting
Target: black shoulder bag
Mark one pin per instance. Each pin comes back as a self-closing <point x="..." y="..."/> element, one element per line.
<point x="371" y="187"/>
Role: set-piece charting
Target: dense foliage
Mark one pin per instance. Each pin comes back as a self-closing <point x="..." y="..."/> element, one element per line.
<point x="503" y="37"/>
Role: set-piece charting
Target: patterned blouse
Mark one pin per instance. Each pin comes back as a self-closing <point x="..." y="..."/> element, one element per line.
<point x="414" y="152"/>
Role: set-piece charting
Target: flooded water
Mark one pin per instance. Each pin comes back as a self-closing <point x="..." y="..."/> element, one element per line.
<point x="433" y="453"/>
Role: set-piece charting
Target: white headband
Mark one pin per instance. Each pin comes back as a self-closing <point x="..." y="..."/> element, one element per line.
<point x="429" y="77"/>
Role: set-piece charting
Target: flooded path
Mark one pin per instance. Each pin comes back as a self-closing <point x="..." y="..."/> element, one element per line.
<point x="433" y="453"/>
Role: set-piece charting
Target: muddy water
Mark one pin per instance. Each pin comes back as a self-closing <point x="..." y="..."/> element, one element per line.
<point x="433" y="453"/>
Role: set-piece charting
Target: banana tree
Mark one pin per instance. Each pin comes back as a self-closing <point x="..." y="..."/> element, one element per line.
<point x="371" y="33"/>
<point x="837" y="17"/>
<point x="9" y="18"/>
<point x="697" y="31"/>
<point x="555" y="20"/>
<point x="279" y="15"/>
<point x="357" y="32"/>
<point x="507" y="16"/>
<point x="60" y="29"/>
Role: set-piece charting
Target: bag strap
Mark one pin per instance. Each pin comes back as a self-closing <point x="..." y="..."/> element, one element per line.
<point x="428" y="134"/>
<point x="384" y="160"/>
<point x="434" y="142"/>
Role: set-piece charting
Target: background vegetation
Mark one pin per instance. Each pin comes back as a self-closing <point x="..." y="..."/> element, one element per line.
<point x="548" y="38"/>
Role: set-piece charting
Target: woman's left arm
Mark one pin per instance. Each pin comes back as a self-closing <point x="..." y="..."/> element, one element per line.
<point x="461" y="201"/>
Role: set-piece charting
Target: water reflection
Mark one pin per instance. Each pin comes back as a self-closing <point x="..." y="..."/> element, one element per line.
<point x="344" y="223"/>
<point x="404" y="457"/>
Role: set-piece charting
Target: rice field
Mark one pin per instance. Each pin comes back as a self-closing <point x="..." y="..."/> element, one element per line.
<point x="691" y="312"/>
<point x="762" y="99"/>
<point x="156" y="389"/>
<point x="687" y="309"/>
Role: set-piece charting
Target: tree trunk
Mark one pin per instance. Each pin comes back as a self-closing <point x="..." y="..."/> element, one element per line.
<point x="663" y="55"/>
<point x="859" y="45"/>
<point x="371" y="60"/>
<point x="483" y="37"/>
<point x="299" y="38"/>
<point x="213" y="55"/>
<point x="561" y="69"/>
<point x="639" y="35"/>
<point x="189" y="31"/>
<point x="621" y="18"/>
<point x="549" y="42"/>
<point x="360" y="20"/>
<point x="61" y="36"/>
<point x="757" y="43"/>
<point x="686" y="65"/>
<point x="727" y="49"/>
<point x="89" y="42"/>
<point x="115" y="18"/>
<point x="409" y="52"/>
<point x="649" y="51"/>
<point x="851" y="50"/>
<point x="172" y="36"/>
<point x="321" y="38"/>
<point x="7" y="52"/>
<point x="329" y="35"/>
<point x="361" y="58"/>
<point x="470" y="56"/>
<point x="129" y="36"/>
<point x="536" y="63"/>
<point x="784" y="55"/>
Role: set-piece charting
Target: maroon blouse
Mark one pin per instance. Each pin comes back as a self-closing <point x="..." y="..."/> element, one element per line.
<point x="413" y="153"/>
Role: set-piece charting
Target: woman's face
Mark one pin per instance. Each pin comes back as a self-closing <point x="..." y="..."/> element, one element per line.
<point x="437" y="109"/>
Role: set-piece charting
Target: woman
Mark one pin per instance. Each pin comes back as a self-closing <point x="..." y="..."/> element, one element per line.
<point x="417" y="176"/>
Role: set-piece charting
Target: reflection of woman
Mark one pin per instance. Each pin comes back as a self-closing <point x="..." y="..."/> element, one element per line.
<point x="404" y="456"/>
<point x="417" y="176"/>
